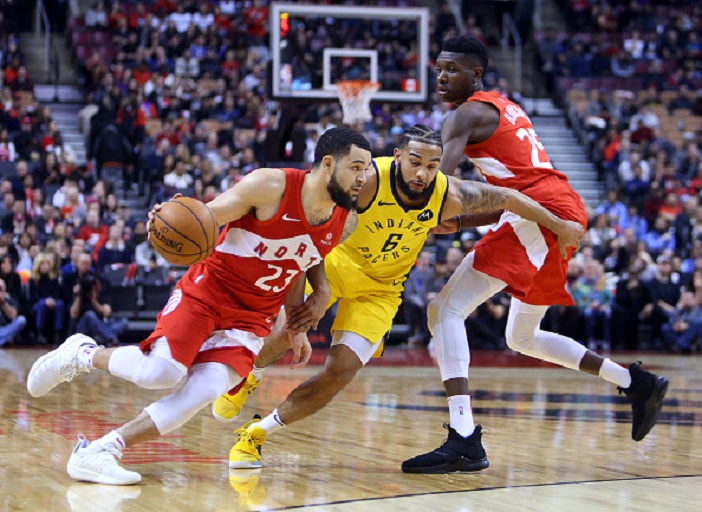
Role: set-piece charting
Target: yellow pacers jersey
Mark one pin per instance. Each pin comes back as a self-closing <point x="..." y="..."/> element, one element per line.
<point x="367" y="271"/>
<point x="390" y="235"/>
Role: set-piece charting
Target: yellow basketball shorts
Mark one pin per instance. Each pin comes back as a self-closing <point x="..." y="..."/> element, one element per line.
<point x="366" y="306"/>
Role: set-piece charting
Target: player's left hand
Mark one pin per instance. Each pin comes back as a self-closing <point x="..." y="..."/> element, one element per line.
<point x="307" y="315"/>
<point x="569" y="235"/>
<point x="302" y="350"/>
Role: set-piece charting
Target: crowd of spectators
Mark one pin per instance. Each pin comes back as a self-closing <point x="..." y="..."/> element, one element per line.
<point x="178" y="102"/>
<point x="66" y="238"/>
<point x="195" y="75"/>
<point x="639" y="44"/>
<point x="629" y="76"/>
<point x="186" y="87"/>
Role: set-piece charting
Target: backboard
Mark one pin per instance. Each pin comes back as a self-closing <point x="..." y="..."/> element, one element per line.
<point x="315" y="46"/>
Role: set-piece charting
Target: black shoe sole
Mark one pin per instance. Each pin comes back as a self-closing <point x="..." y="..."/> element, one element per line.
<point x="460" y="465"/>
<point x="653" y="406"/>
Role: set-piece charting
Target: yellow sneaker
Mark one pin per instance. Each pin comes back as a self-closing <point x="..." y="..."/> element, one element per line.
<point x="245" y="483"/>
<point x="246" y="453"/>
<point x="227" y="407"/>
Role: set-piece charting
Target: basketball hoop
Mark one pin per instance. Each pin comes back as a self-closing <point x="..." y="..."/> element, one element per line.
<point x="355" y="97"/>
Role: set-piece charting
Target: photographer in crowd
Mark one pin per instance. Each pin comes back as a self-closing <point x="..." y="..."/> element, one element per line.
<point x="11" y="322"/>
<point x="91" y="313"/>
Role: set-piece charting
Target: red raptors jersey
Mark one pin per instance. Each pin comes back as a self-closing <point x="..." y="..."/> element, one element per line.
<point x="519" y="252"/>
<point x="255" y="262"/>
<point x="514" y="157"/>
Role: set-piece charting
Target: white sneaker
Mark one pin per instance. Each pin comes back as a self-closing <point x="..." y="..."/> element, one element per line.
<point x="97" y="462"/>
<point x="58" y="366"/>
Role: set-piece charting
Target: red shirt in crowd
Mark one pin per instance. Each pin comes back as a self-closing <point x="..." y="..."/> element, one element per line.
<point x="114" y="18"/>
<point x="222" y="22"/>
<point x="91" y="235"/>
<point x="165" y="6"/>
<point x="256" y="19"/>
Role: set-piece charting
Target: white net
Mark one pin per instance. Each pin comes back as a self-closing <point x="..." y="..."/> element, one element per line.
<point x="355" y="97"/>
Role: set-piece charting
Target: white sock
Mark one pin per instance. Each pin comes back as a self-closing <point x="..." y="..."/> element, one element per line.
<point x="614" y="373"/>
<point x="271" y="423"/>
<point x="257" y="373"/>
<point x="86" y="354"/>
<point x="115" y="439"/>
<point x="461" y="415"/>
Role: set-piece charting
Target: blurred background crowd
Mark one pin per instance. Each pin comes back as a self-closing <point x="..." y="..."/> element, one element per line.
<point x="176" y="100"/>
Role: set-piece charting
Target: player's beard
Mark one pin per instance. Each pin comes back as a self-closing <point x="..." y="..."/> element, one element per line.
<point x="342" y="198"/>
<point x="404" y="187"/>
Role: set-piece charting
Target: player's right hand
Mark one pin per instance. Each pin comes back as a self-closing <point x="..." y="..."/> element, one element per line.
<point x="154" y="210"/>
<point x="302" y="350"/>
<point x="569" y="235"/>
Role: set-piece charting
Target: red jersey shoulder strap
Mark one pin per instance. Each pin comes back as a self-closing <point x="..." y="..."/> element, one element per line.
<point x="292" y="199"/>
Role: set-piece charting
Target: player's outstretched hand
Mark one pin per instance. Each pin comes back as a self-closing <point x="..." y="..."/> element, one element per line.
<point x="302" y="350"/>
<point x="154" y="210"/>
<point x="569" y="235"/>
<point x="307" y="315"/>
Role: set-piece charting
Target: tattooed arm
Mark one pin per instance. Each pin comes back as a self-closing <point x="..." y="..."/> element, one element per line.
<point x="460" y="222"/>
<point x="477" y="197"/>
<point x="467" y="197"/>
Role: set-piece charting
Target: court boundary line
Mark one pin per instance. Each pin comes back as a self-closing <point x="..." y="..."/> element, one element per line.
<point x="482" y="489"/>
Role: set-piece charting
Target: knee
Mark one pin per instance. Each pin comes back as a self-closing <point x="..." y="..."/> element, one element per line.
<point x="447" y="306"/>
<point x="160" y="374"/>
<point x="519" y="341"/>
<point x="211" y="393"/>
<point x="90" y="316"/>
<point x="433" y="312"/>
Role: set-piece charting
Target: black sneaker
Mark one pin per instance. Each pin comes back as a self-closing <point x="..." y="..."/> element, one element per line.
<point x="457" y="453"/>
<point x="646" y="394"/>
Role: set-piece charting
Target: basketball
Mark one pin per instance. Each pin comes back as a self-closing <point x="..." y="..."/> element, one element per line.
<point x="184" y="231"/>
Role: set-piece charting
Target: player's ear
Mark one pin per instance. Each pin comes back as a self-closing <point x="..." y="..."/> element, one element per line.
<point x="328" y="164"/>
<point x="477" y="74"/>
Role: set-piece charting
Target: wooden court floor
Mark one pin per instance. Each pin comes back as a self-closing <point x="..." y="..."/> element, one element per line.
<point x="558" y="441"/>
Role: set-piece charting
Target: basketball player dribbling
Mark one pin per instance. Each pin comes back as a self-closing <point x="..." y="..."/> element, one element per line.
<point x="279" y="225"/>
<point x="404" y="198"/>
<point x="516" y="255"/>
